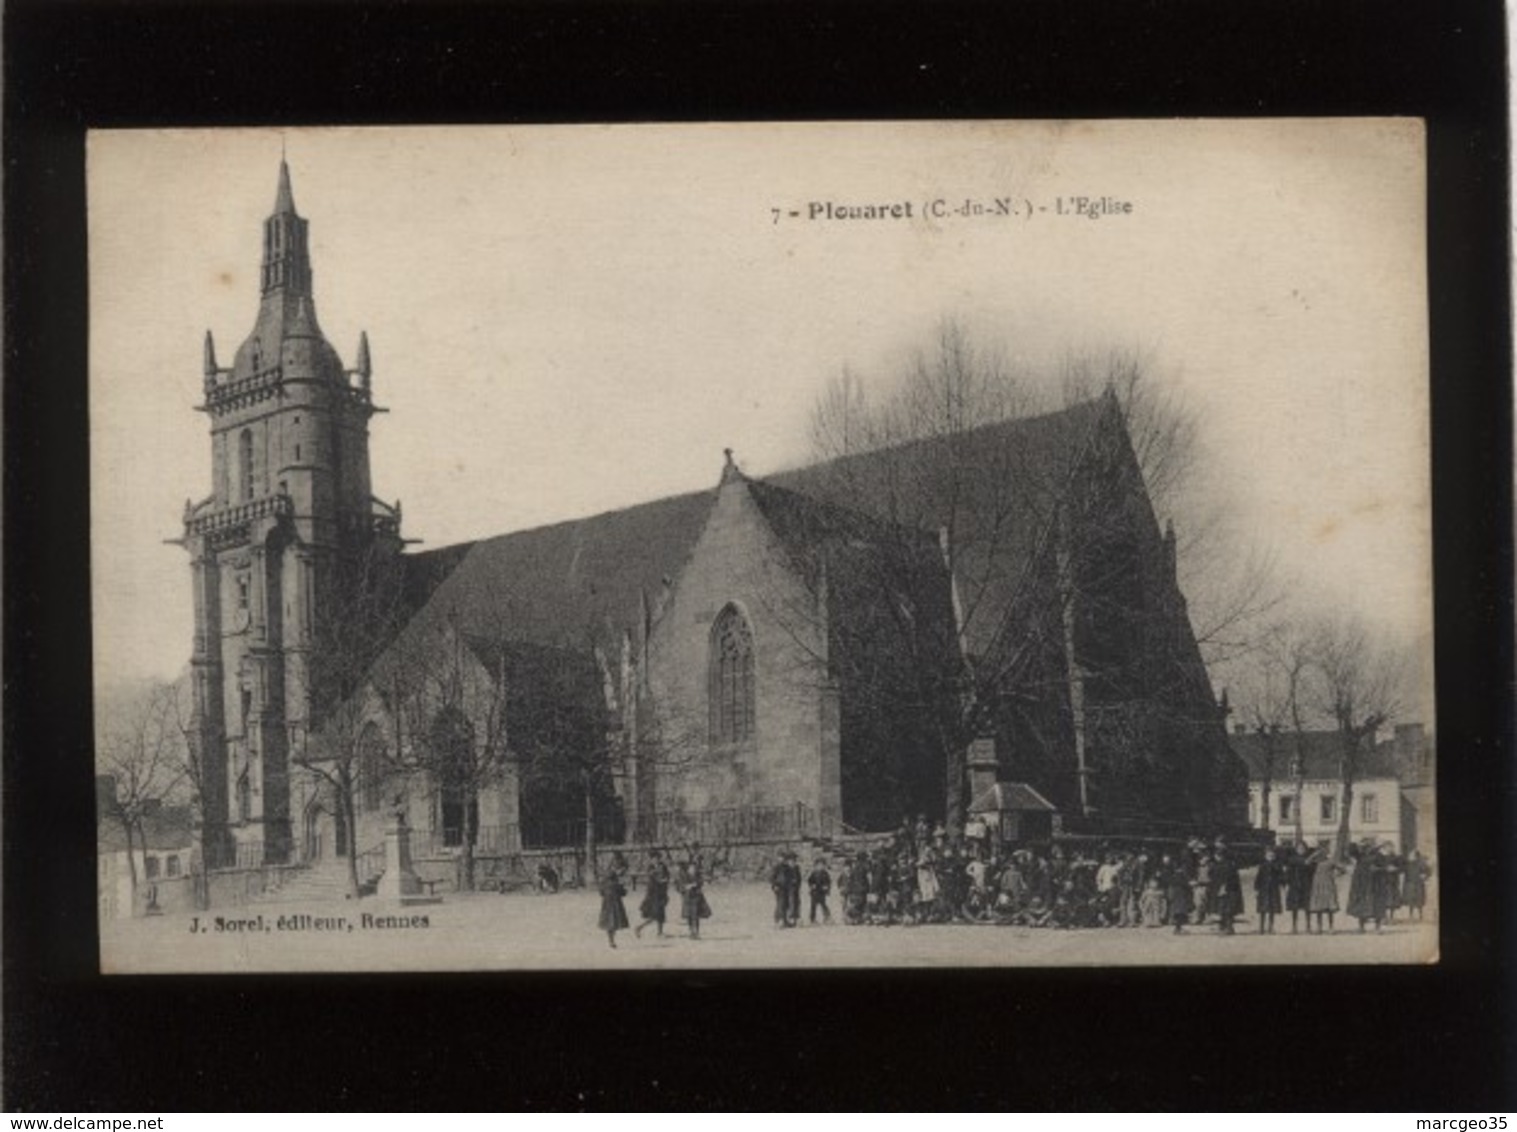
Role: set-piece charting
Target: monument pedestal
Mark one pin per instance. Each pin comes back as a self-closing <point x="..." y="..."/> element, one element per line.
<point x="399" y="881"/>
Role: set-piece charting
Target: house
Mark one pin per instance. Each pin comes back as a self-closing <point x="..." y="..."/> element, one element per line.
<point x="774" y="655"/>
<point x="1296" y="787"/>
<point x="1412" y="751"/>
<point x="160" y="857"/>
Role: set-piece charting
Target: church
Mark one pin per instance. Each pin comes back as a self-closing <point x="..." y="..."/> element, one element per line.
<point x="829" y="650"/>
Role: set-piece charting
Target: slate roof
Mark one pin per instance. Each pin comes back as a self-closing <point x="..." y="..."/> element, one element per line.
<point x="1321" y="756"/>
<point x="1014" y="473"/>
<point x="569" y="584"/>
<point x="581" y="581"/>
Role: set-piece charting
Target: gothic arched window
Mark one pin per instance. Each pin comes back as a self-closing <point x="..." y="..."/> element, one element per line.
<point x="245" y="463"/>
<point x="732" y="715"/>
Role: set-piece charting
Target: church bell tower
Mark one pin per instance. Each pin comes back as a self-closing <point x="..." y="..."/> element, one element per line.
<point x="276" y="550"/>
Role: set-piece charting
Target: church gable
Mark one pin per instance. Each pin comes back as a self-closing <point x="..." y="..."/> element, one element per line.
<point x="737" y="666"/>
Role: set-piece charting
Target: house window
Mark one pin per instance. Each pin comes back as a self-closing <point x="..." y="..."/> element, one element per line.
<point x="1287" y="808"/>
<point x="152" y="868"/>
<point x="1329" y="808"/>
<point x="1369" y="809"/>
<point x="173" y="865"/>
<point x="732" y="709"/>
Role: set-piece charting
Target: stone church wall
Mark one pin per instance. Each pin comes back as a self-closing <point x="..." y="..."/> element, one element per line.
<point x="793" y="756"/>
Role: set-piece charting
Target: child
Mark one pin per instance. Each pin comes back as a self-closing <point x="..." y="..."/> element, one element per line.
<point x="820" y="884"/>
<point x="1151" y="905"/>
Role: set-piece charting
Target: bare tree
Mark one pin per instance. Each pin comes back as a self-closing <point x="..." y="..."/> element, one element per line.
<point x="1274" y="686"/>
<point x="1232" y="584"/>
<point x="577" y="725"/>
<point x="1042" y="552"/>
<point x="361" y="612"/>
<point x="1359" y="684"/>
<point x="145" y="753"/>
<point x="450" y="692"/>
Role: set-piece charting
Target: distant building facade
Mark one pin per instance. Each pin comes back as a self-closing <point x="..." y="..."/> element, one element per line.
<point x="705" y="665"/>
<point x="161" y="857"/>
<point x="1296" y="788"/>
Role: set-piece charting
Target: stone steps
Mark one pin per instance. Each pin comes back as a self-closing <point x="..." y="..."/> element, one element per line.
<point x="324" y="882"/>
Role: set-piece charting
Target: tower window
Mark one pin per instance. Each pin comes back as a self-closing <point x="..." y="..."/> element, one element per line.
<point x="732" y="693"/>
<point x="245" y="463"/>
<point x="297" y="453"/>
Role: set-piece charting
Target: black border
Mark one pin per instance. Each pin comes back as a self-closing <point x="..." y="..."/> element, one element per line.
<point x="1438" y="1038"/>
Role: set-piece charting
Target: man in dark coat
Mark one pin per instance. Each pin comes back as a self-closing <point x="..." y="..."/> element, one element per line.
<point x="1228" y="886"/>
<point x="1175" y="878"/>
<point x="779" y="881"/>
<point x="1414" y="888"/>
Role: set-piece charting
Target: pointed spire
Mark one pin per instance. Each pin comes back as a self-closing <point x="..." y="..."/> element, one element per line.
<point x="362" y="364"/>
<point x="210" y="356"/>
<point x="286" y="255"/>
<point x="284" y="200"/>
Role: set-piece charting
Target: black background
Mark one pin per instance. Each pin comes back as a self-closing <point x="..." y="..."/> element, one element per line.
<point x="1439" y="1038"/>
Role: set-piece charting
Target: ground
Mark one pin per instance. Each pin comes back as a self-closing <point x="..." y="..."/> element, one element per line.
<point x="486" y="931"/>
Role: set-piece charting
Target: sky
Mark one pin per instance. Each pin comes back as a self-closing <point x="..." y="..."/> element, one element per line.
<point x="569" y="319"/>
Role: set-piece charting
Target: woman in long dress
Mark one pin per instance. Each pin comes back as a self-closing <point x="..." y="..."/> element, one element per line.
<point x="1324" y="897"/>
<point x="655" y="903"/>
<point x="692" y="885"/>
<point x="927" y="883"/>
<point x="1361" y="887"/>
<point x="613" y="914"/>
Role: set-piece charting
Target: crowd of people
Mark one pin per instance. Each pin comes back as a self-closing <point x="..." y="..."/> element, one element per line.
<point x="920" y="876"/>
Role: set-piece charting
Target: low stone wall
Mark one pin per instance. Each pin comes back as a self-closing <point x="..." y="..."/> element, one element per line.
<point x="231" y="887"/>
<point x="748" y="860"/>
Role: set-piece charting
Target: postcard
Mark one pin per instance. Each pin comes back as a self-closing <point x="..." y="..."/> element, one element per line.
<point x="884" y="544"/>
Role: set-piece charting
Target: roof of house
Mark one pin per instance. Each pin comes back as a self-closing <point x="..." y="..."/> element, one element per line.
<point x="1005" y="797"/>
<point x="1321" y="753"/>
<point x="583" y="580"/>
<point x="163" y="828"/>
